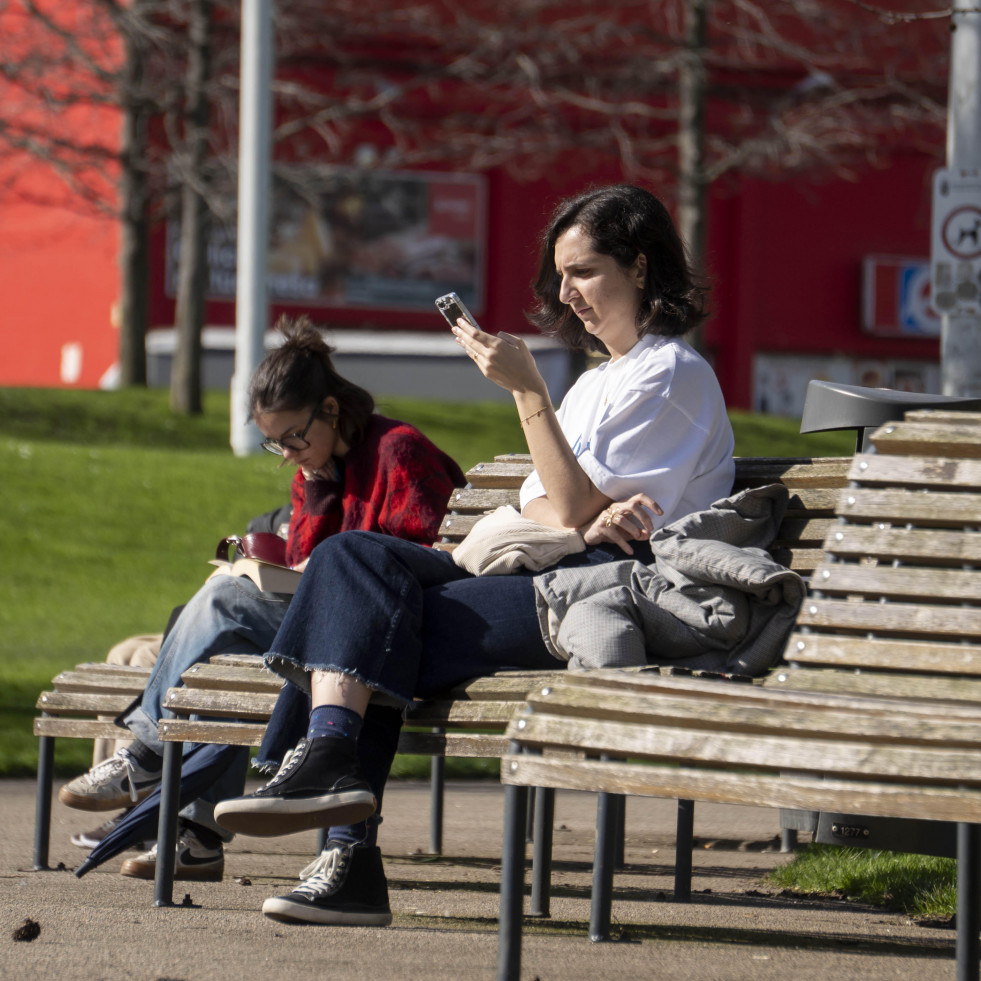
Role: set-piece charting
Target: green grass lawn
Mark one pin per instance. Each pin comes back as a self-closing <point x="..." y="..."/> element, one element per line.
<point x="112" y="505"/>
<point x="918" y="885"/>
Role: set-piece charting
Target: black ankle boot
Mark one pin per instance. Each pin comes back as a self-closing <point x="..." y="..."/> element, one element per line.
<point x="319" y="785"/>
<point x="348" y="888"/>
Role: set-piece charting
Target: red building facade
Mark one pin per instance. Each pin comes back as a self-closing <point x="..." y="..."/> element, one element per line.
<point x="812" y="277"/>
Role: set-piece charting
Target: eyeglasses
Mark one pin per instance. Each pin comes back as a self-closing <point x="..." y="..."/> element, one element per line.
<point x="291" y="441"/>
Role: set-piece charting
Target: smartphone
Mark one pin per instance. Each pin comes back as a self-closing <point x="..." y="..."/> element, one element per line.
<point x="453" y="308"/>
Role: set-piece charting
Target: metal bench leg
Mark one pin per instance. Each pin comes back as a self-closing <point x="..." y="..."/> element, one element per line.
<point x="605" y="854"/>
<point x="968" y="901"/>
<point x="621" y="832"/>
<point x="788" y="840"/>
<point x="42" y="807"/>
<point x="541" y="869"/>
<point x="437" y="783"/>
<point x="163" y="882"/>
<point x="682" y="852"/>
<point x="512" y="884"/>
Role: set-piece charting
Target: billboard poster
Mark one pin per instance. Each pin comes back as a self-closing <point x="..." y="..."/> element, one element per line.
<point x="364" y="239"/>
<point x="780" y="380"/>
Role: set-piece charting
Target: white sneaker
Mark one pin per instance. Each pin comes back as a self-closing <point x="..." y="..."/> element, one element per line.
<point x="195" y="862"/>
<point x="118" y="781"/>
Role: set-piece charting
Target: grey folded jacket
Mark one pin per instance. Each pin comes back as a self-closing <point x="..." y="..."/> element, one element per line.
<point x="713" y="598"/>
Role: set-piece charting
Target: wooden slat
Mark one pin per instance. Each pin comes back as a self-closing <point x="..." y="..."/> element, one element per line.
<point x="895" y="619"/>
<point x="458" y="526"/>
<point x="944" y="415"/>
<point x="498" y="474"/>
<point x="882" y="684"/>
<point x="463" y="745"/>
<point x="233" y="678"/>
<point x="225" y="733"/>
<point x="480" y="499"/>
<point x="79" y="728"/>
<point x="696" y="713"/>
<point x="79" y="703"/>
<point x="935" y="546"/>
<point x="224" y="704"/>
<point x="763" y="790"/>
<point x="793" y="472"/>
<point x="911" y="507"/>
<point x="105" y="668"/>
<point x="803" y="531"/>
<point x="802" y="560"/>
<point x="85" y="681"/>
<point x="905" y="583"/>
<point x="754" y="690"/>
<point x="505" y="685"/>
<point x="920" y="472"/>
<point x="958" y="439"/>
<point x="473" y="714"/>
<point x="812" y="502"/>
<point x="241" y="660"/>
<point x="833" y="650"/>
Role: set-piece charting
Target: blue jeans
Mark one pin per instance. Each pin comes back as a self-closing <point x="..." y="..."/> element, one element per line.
<point x="407" y="622"/>
<point x="227" y="615"/>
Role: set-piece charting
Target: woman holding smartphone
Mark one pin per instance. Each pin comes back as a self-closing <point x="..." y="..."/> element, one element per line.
<point x="637" y="442"/>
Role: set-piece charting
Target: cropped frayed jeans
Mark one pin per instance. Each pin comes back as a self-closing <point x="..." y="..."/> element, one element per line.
<point x="227" y="615"/>
<point x="409" y="623"/>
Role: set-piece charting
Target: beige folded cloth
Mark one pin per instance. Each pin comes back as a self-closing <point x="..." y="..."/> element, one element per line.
<point x="503" y="541"/>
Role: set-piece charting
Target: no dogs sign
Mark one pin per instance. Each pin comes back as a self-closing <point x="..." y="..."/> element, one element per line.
<point x="955" y="254"/>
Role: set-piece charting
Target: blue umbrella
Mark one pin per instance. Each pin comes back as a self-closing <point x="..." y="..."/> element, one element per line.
<point x="199" y="770"/>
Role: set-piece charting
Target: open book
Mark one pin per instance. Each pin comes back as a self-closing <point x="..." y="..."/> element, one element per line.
<point x="268" y="571"/>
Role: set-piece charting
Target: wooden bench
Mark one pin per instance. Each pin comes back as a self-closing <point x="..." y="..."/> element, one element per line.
<point x="469" y="721"/>
<point x="83" y="704"/>
<point x="877" y="710"/>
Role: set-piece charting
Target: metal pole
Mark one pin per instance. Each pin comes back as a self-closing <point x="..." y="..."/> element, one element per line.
<point x="251" y="293"/>
<point x="170" y="788"/>
<point x="42" y="807"/>
<point x="960" y="347"/>
<point x="437" y="795"/>
<point x="968" y="901"/>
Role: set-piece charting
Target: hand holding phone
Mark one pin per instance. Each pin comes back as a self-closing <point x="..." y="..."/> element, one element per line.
<point x="453" y="308"/>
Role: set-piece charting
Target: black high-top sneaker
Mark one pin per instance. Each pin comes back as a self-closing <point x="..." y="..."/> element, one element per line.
<point x="319" y="785"/>
<point x="346" y="887"/>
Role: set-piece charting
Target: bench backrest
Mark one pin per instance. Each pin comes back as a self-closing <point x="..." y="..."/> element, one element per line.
<point x="813" y="486"/>
<point x="895" y="605"/>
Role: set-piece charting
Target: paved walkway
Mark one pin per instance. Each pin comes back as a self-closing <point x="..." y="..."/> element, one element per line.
<point x="103" y="926"/>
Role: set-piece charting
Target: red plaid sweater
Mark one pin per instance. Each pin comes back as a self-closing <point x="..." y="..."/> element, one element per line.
<point x="394" y="481"/>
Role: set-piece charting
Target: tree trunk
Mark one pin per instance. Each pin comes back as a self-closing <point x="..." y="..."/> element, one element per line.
<point x="692" y="188"/>
<point x="134" y="234"/>
<point x="185" y="378"/>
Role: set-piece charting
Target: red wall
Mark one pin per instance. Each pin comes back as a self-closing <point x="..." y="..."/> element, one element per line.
<point x="785" y="262"/>
<point x="58" y="281"/>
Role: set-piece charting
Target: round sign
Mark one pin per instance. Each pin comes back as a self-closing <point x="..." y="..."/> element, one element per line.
<point x="962" y="232"/>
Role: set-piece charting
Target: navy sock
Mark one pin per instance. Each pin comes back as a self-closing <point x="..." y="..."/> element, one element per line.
<point x="334" y="720"/>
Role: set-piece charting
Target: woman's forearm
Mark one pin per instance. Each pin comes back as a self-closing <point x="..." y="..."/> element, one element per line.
<point x="573" y="499"/>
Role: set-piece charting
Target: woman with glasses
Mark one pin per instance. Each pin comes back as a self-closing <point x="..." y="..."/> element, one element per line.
<point x="355" y="470"/>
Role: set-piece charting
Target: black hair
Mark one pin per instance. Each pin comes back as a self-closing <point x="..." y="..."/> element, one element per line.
<point x="624" y="222"/>
<point x="300" y="375"/>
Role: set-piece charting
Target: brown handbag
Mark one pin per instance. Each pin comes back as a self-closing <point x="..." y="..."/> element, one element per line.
<point x="263" y="546"/>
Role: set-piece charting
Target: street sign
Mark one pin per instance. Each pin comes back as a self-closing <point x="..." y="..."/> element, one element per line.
<point x="955" y="252"/>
